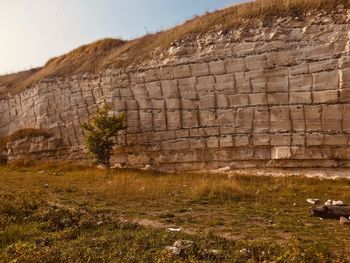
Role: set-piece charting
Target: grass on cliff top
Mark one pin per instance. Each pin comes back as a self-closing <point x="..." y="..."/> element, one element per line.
<point x="64" y="213"/>
<point x="118" y="53"/>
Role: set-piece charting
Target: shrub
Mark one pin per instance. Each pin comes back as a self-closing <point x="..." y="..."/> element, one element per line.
<point x="101" y="131"/>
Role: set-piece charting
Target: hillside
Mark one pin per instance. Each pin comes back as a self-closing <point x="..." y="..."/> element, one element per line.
<point x="117" y="53"/>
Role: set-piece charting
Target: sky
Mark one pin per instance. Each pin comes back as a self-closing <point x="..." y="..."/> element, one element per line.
<point x="32" y="31"/>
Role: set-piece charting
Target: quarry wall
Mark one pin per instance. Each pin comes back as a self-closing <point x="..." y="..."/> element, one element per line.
<point x="272" y="95"/>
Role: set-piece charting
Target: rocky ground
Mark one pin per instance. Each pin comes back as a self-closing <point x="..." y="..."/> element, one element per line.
<point x="52" y="213"/>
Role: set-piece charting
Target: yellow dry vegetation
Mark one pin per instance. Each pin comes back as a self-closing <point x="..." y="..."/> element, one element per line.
<point x="118" y="53"/>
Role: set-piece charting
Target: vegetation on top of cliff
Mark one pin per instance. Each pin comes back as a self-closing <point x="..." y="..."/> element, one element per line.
<point x="117" y="53"/>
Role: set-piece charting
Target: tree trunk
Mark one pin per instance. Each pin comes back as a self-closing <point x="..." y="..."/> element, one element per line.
<point x="331" y="211"/>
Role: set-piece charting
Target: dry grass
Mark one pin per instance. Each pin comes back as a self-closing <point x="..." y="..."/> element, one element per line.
<point x="60" y="206"/>
<point x="117" y="53"/>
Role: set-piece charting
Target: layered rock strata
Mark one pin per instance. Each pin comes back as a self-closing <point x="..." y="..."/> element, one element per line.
<point x="272" y="94"/>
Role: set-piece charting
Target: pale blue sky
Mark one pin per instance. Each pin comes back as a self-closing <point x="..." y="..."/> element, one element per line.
<point x="32" y="31"/>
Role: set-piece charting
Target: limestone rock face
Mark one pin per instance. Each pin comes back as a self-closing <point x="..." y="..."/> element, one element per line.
<point x="273" y="95"/>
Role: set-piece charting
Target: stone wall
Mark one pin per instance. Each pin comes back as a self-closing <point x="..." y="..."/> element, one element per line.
<point x="268" y="95"/>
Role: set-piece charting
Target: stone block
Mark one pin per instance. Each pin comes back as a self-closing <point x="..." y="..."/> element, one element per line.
<point x="182" y="71"/>
<point x="346" y="118"/>
<point x="319" y="52"/>
<point x="173" y="119"/>
<point x="238" y="100"/>
<point x="285" y="58"/>
<point x="281" y="139"/>
<point x="203" y="90"/>
<point x="344" y="95"/>
<point x="242" y="83"/>
<point x="344" y="62"/>
<point x="328" y="80"/>
<point x="187" y="82"/>
<point x="207" y="102"/>
<point x="281" y="153"/>
<point x="225" y="88"/>
<point x="255" y="62"/>
<point x="213" y="142"/>
<point x="258" y="84"/>
<point x="241" y="140"/>
<point x="222" y="101"/>
<point x="189" y="119"/>
<point x="261" y="120"/>
<point x="345" y="75"/>
<point x="197" y="143"/>
<point x="183" y="133"/>
<point x="197" y="132"/>
<point x="298" y="139"/>
<point x="206" y="80"/>
<point x="324" y="65"/>
<point x="177" y="145"/>
<point x="165" y="73"/>
<point x="131" y="105"/>
<point x="154" y="90"/>
<point x="226" y="78"/>
<point x="277" y="98"/>
<point x="314" y="139"/>
<point x="159" y="120"/>
<point x="301" y="69"/>
<point x="173" y="104"/>
<point x="207" y="118"/>
<point x="146" y="120"/>
<point x="235" y="65"/>
<point x="332" y="116"/>
<point x="187" y="104"/>
<point x="279" y="119"/>
<point x="200" y="69"/>
<point x="300" y="83"/>
<point x="187" y="88"/>
<point x="158" y="104"/>
<point x="298" y="118"/>
<point x="226" y="141"/>
<point x="326" y="96"/>
<point x="244" y="120"/>
<point x="335" y="139"/>
<point x="226" y="117"/>
<point x="262" y="139"/>
<point x="136" y="77"/>
<point x="144" y="104"/>
<point x="225" y="130"/>
<point x="277" y="84"/>
<point x="313" y="118"/>
<point x="217" y="67"/>
<point x="212" y="131"/>
<point x="169" y="89"/>
<point x="150" y="75"/>
<point x="257" y="99"/>
<point x="300" y="98"/>
<point x="165" y="135"/>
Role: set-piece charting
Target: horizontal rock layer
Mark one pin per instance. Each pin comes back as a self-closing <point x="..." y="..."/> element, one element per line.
<point x="274" y="96"/>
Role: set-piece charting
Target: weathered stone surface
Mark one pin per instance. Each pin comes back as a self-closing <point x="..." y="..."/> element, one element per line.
<point x="248" y="98"/>
<point x="279" y="119"/>
<point x="300" y="98"/>
<point x="280" y="153"/>
<point x="326" y="96"/>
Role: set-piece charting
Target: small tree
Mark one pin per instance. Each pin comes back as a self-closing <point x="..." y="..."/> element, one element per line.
<point x="101" y="131"/>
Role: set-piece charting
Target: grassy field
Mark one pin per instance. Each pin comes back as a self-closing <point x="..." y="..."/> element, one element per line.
<point x="60" y="213"/>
